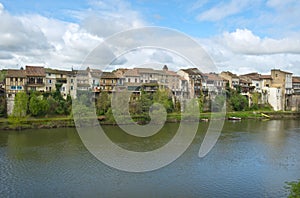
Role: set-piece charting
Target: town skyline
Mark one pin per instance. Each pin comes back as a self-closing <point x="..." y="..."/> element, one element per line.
<point x="239" y="36"/>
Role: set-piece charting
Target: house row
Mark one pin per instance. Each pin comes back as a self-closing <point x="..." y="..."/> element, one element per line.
<point x="280" y="89"/>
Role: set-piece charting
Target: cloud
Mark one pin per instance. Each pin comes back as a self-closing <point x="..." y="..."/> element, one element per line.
<point x="245" y="42"/>
<point x="36" y="39"/>
<point x="223" y="10"/>
<point x="242" y="51"/>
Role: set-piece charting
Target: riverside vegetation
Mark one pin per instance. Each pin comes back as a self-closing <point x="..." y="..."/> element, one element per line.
<point x="50" y="109"/>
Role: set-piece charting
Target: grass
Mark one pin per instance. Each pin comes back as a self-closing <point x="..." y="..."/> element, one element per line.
<point x="67" y="121"/>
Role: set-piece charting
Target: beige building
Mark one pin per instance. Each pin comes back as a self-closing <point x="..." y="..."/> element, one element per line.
<point x="232" y="79"/>
<point x="36" y="78"/>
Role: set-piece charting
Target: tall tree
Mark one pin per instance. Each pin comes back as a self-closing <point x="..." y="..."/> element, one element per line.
<point x="20" y="108"/>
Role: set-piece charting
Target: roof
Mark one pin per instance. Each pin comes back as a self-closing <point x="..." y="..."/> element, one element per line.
<point x="192" y="71"/>
<point x="110" y="75"/>
<point x="265" y="76"/>
<point x="132" y="72"/>
<point x="212" y="76"/>
<point x="281" y="71"/>
<point x="296" y="79"/>
<point x="56" y="71"/>
<point x="35" y="71"/>
<point x="252" y="76"/>
<point x="230" y="74"/>
<point x="15" y="73"/>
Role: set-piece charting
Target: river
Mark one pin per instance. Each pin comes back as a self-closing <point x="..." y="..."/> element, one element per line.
<point x="251" y="159"/>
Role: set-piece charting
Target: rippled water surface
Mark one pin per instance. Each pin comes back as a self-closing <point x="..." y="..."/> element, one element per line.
<point x="251" y="159"/>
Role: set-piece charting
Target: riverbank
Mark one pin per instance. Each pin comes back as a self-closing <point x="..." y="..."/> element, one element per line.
<point x="67" y="121"/>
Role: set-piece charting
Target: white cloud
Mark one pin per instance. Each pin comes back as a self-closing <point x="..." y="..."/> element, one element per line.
<point x="245" y="42"/>
<point x="242" y="52"/>
<point x="35" y="39"/>
<point x="223" y="10"/>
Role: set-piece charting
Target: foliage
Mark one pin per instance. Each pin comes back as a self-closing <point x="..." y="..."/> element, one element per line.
<point x="294" y="189"/>
<point x="38" y="105"/>
<point x="164" y="97"/>
<point x="238" y="102"/>
<point x="2" y="106"/>
<point x="218" y="103"/>
<point x="103" y="103"/>
<point x="20" y="108"/>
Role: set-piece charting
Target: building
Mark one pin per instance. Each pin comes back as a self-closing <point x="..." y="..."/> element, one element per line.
<point x="213" y="83"/>
<point x="282" y="80"/>
<point x="108" y="81"/>
<point x="194" y="80"/>
<point x="296" y="94"/>
<point x="15" y="81"/>
<point x="36" y="78"/>
<point x="233" y="79"/>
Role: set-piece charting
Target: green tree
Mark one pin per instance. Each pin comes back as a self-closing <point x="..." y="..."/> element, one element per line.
<point x="238" y="102"/>
<point x="294" y="189"/>
<point x="20" y="108"/>
<point x="164" y="97"/>
<point x="38" y="105"/>
<point x="103" y="103"/>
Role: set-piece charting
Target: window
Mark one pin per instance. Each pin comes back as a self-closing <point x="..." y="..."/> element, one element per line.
<point x="72" y="88"/>
<point x="49" y="74"/>
<point x="72" y="80"/>
<point x="13" y="87"/>
<point x="21" y="79"/>
<point x="16" y="79"/>
<point x="128" y="79"/>
<point x="257" y="84"/>
<point x="50" y="81"/>
<point x="19" y="87"/>
<point x="103" y="80"/>
<point x="11" y="79"/>
<point x="276" y="75"/>
<point x="141" y="81"/>
<point x="50" y="88"/>
<point x="135" y="80"/>
<point x="63" y="89"/>
<point x="39" y="80"/>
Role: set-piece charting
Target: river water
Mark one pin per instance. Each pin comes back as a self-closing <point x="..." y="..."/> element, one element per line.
<point x="251" y="159"/>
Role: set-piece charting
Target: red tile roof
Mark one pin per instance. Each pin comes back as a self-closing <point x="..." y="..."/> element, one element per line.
<point x="16" y="73"/>
<point x="35" y="71"/>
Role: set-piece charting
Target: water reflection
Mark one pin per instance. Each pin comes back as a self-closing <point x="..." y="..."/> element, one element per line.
<point x="251" y="156"/>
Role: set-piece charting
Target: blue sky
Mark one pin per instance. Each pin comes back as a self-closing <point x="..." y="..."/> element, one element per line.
<point x="239" y="35"/>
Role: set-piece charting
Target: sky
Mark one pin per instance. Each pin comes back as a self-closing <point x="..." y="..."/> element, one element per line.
<point x="241" y="36"/>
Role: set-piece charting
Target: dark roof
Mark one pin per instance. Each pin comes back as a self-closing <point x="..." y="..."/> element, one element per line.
<point x="15" y="73"/>
<point x="106" y="75"/>
<point x="192" y="71"/>
<point x="35" y="71"/>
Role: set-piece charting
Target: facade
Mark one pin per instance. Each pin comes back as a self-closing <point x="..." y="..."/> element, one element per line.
<point x="108" y="81"/>
<point x="36" y="78"/>
<point x="194" y="80"/>
<point x="212" y="82"/>
<point x="283" y="80"/>
<point x="15" y="82"/>
<point x="232" y="79"/>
